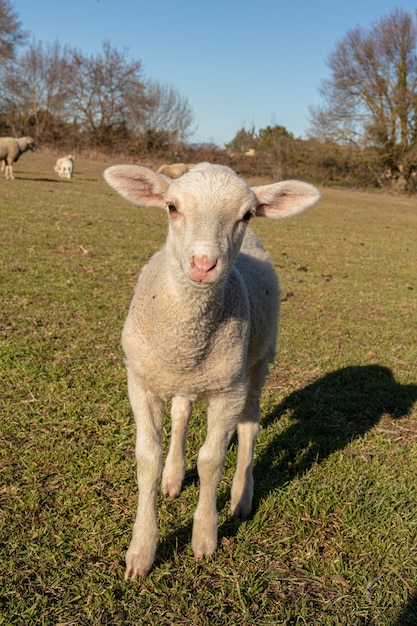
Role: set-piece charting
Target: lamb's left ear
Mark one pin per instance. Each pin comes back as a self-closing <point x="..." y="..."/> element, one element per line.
<point x="284" y="199"/>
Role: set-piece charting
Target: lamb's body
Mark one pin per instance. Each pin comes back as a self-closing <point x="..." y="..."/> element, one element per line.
<point x="64" y="166"/>
<point x="11" y="148"/>
<point x="202" y="324"/>
<point x="188" y="341"/>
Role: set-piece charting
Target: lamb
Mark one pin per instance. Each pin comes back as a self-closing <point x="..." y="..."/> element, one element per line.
<point x="10" y="150"/>
<point x="175" y="170"/>
<point x="202" y="325"/>
<point x="65" y="166"/>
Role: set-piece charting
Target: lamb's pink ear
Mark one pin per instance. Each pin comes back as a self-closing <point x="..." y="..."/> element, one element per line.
<point x="285" y="198"/>
<point x="137" y="184"/>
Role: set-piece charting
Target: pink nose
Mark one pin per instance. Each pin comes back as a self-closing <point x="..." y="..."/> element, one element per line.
<point x="203" y="264"/>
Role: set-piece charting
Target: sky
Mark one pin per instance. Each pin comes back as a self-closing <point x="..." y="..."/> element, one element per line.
<point x="238" y="63"/>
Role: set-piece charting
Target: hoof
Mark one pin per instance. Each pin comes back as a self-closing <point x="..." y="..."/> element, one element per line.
<point x="131" y="574"/>
<point x="135" y="570"/>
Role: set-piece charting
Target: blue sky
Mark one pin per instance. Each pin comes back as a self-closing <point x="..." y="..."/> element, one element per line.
<point x="238" y="63"/>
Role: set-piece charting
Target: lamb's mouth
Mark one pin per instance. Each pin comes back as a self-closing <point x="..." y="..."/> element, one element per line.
<point x="202" y="282"/>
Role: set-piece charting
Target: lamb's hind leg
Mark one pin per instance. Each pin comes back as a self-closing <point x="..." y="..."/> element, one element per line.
<point x="174" y="469"/>
<point x="247" y="430"/>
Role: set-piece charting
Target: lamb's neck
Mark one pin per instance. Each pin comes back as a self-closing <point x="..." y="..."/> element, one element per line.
<point x="180" y="321"/>
<point x="194" y="303"/>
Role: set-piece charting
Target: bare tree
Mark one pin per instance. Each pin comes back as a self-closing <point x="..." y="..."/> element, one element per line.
<point x="11" y="33"/>
<point x="98" y="91"/>
<point x="35" y="90"/>
<point x="371" y="95"/>
<point x="158" y="114"/>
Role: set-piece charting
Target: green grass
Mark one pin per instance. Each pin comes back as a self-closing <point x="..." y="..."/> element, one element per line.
<point x="333" y="535"/>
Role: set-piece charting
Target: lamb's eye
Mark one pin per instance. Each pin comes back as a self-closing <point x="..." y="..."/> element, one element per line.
<point x="172" y="208"/>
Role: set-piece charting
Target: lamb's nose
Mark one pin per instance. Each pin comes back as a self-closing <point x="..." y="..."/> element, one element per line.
<point x="204" y="263"/>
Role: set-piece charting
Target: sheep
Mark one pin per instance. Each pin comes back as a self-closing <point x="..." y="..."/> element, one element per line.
<point x="175" y="170"/>
<point x="202" y="325"/>
<point x="10" y="150"/>
<point x="65" y="166"/>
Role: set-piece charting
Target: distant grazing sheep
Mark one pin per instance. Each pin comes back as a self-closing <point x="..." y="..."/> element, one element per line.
<point x="202" y="325"/>
<point x="175" y="170"/>
<point x="65" y="166"/>
<point x="10" y="150"/>
<point x="236" y="155"/>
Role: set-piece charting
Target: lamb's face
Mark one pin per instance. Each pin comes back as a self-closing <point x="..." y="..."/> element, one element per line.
<point x="208" y="213"/>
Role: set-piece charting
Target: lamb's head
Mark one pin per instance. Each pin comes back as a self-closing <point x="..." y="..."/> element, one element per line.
<point x="208" y="209"/>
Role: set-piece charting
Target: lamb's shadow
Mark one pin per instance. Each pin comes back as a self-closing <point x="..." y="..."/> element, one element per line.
<point x="325" y="416"/>
<point x="408" y="616"/>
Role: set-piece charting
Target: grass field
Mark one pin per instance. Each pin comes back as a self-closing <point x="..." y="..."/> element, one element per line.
<point x="333" y="535"/>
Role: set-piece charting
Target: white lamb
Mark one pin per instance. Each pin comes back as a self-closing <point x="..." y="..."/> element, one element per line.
<point x="65" y="166"/>
<point x="10" y="150"/>
<point x="202" y="325"/>
<point x="175" y="170"/>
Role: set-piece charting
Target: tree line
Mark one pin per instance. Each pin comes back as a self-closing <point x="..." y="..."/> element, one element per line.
<point x="364" y="132"/>
<point x="57" y="93"/>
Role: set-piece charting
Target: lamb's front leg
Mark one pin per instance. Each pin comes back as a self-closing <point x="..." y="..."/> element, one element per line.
<point x="148" y="411"/>
<point x="222" y="415"/>
<point x="173" y="473"/>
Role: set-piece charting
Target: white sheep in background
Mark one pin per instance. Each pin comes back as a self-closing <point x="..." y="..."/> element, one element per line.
<point x="10" y="150"/>
<point x="175" y="170"/>
<point x="65" y="166"/>
<point x="202" y="325"/>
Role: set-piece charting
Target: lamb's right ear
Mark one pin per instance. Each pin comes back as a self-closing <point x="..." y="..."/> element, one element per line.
<point x="137" y="184"/>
